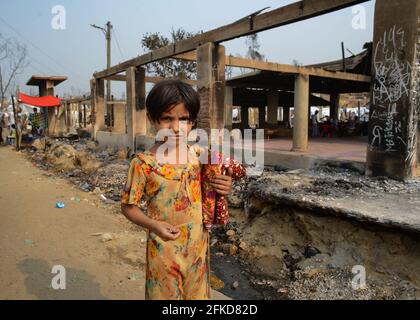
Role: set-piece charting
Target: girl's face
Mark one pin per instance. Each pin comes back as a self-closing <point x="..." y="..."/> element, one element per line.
<point x="177" y="119"/>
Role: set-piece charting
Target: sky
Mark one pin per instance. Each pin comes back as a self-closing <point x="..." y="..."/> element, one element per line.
<point x="79" y="50"/>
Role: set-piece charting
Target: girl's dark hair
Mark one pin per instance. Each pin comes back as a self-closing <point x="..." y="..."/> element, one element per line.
<point x="168" y="93"/>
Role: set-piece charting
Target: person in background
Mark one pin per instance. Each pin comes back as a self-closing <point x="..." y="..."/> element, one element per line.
<point x="315" y="123"/>
<point x="12" y="135"/>
<point x="19" y="129"/>
<point x="35" y="119"/>
<point x="4" y="124"/>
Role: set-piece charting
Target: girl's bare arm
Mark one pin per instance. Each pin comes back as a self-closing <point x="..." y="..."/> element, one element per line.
<point x="162" y="229"/>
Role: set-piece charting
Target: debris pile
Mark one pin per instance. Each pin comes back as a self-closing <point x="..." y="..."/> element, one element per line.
<point x="103" y="170"/>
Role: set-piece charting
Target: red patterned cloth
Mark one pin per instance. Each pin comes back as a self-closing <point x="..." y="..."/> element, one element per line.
<point x="215" y="207"/>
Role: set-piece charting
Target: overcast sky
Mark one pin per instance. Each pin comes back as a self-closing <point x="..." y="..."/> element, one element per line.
<point x="79" y="50"/>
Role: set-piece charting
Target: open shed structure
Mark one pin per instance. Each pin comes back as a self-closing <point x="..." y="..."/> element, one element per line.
<point x="392" y="149"/>
<point x="274" y="89"/>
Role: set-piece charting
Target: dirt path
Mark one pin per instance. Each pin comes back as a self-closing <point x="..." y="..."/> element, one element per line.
<point x="35" y="236"/>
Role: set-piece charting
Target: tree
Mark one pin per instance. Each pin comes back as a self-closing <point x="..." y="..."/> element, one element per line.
<point x="169" y="68"/>
<point x="253" y="47"/>
<point x="13" y="60"/>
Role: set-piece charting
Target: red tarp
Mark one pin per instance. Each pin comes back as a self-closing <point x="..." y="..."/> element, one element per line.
<point x="43" y="102"/>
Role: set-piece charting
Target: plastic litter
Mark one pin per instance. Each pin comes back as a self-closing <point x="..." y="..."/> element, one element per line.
<point x="60" y="205"/>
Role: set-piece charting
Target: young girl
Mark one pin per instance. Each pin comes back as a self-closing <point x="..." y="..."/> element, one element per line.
<point x="177" y="258"/>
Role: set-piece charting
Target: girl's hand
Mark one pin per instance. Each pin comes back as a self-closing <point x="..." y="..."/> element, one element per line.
<point x="165" y="231"/>
<point x="222" y="184"/>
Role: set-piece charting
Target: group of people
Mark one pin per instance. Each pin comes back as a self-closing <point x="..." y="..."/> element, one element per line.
<point x="330" y="127"/>
<point x="24" y="127"/>
<point x="324" y="127"/>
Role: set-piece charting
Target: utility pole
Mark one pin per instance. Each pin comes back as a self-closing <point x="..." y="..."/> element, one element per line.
<point x="107" y="31"/>
<point x="344" y="56"/>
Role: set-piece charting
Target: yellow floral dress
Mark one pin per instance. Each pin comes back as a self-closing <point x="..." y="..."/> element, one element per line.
<point x="175" y="270"/>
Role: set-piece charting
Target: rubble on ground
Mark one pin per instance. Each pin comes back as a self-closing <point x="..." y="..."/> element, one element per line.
<point x="305" y="274"/>
<point x="84" y="163"/>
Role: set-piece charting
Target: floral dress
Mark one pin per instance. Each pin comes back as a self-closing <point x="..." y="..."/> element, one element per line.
<point x="175" y="270"/>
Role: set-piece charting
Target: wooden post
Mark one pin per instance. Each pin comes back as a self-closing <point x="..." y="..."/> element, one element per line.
<point x="16" y="124"/>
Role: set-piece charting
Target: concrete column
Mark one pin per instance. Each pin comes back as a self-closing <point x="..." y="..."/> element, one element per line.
<point x="130" y="112"/>
<point x="394" y="111"/>
<point x="61" y="126"/>
<point x="286" y="114"/>
<point x="79" y="116"/>
<point x="68" y="116"/>
<point x="140" y="96"/>
<point x="273" y="106"/>
<point x="261" y="117"/>
<point x="244" y="117"/>
<point x="228" y="107"/>
<point x="300" y="129"/>
<point x="84" y="116"/>
<point x="47" y="89"/>
<point x="99" y="103"/>
<point x="335" y="105"/>
<point x="211" y="85"/>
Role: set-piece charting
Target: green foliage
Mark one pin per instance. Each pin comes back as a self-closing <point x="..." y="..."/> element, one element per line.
<point x="169" y="68"/>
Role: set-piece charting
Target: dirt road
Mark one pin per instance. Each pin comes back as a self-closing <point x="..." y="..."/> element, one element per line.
<point x="102" y="253"/>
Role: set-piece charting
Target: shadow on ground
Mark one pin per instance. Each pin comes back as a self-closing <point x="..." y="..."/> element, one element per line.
<point x="38" y="278"/>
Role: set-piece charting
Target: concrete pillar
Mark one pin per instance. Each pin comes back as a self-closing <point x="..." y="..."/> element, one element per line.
<point x="395" y="106"/>
<point x="61" y="127"/>
<point x="228" y="107"/>
<point x="261" y="117"/>
<point x="335" y="105"/>
<point x="300" y="129"/>
<point x="79" y="116"/>
<point x="244" y="117"/>
<point x="84" y="116"/>
<point x="286" y="114"/>
<point x="136" y="119"/>
<point x="140" y="96"/>
<point x="273" y="106"/>
<point x="130" y="112"/>
<point x="92" y="107"/>
<point x="99" y="103"/>
<point x="68" y="118"/>
<point x="47" y="89"/>
<point x="211" y="85"/>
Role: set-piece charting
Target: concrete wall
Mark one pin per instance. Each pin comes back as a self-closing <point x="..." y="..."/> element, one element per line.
<point x="119" y="140"/>
<point x="119" y="118"/>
